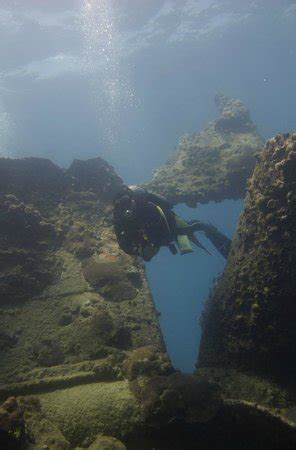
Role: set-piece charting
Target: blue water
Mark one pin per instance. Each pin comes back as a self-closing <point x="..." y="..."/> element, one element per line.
<point x="180" y="284"/>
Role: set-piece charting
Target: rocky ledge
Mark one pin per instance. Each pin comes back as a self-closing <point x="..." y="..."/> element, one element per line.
<point x="212" y="165"/>
<point x="248" y="325"/>
<point x="81" y="352"/>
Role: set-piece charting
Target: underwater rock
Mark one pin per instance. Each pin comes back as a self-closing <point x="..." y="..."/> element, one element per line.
<point x="65" y="319"/>
<point x="27" y="242"/>
<point x="110" y="277"/>
<point x="39" y="430"/>
<point x="177" y="396"/>
<point x="107" y="442"/>
<point x="253" y="426"/>
<point x="213" y="165"/>
<point x="73" y="305"/>
<point x="249" y="319"/>
<point x="34" y="181"/>
<point x="7" y="340"/>
<point x="86" y="410"/>
<point x="11" y="415"/>
<point x="48" y="353"/>
<point x="146" y="361"/>
<point x="235" y="116"/>
<point x="95" y="175"/>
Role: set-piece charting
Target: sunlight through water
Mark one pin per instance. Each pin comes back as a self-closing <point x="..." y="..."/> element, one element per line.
<point x="109" y="85"/>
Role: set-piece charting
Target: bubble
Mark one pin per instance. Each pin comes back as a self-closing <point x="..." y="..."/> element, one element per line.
<point x="104" y="64"/>
<point x="7" y="132"/>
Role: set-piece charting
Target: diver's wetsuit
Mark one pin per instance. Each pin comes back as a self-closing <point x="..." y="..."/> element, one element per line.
<point x="143" y="222"/>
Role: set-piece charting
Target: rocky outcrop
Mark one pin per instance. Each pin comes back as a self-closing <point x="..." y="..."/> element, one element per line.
<point x="249" y="321"/>
<point x="82" y="359"/>
<point x="248" y="325"/>
<point x="212" y="165"/>
<point x="69" y="296"/>
<point x="80" y="346"/>
<point x="72" y="305"/>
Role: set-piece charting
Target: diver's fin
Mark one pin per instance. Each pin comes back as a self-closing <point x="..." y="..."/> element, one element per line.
<point x="218" y="239"/>
<point x="197" y="243"/>
<point x="173" y="249"/>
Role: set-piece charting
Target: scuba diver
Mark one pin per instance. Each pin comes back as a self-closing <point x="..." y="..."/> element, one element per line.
<point x="144" y="222"/>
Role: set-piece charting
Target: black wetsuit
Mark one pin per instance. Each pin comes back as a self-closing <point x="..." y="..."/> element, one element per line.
<point x="151" y="223"/>
<point x="143" y="222"/>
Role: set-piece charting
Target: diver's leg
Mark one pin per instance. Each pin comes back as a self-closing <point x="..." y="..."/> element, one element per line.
<point x="181" y="235"/>
<point x="218" y="239"/>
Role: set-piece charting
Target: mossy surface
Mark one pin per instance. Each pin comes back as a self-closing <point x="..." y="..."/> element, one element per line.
<point x="70" y="298"/>
<point x="84" y="411"/>
<point x="78" y="326"/>
<point x="212" y="165"/>
<point x="106" y="442"/>
<point x="177" y="397"/>
<point x="249" y="320"/>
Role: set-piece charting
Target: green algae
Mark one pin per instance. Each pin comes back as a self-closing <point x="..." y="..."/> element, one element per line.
<point x="80" y="411"/>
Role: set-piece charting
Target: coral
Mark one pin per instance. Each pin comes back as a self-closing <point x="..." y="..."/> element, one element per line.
<point x="11" y="415"/>
<point x="235" y="116"/>
<point x="26" y="245"/>
<point x="146" y="361"/>
<point x="106" y="442"/>
<point x="176" y="397"/>
<point x="48" y="353"/>
<point x="97" y="175"/>
<point x="84" y="411"/>
<point x="73" y="305"/>
<point x="110" y="278"/>
<point x="213" y="165"/>
<point x="39" y="429"/>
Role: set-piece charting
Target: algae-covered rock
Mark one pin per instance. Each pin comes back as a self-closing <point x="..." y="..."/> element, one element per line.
<point x="69" y="295"/>
<point x="146" y="361"/>
<point x="40" y="431"/>
<point x="235" y="116"/>
<point x="213" y="165"/>
<point x="106" y="442"/>
<point x="27" y="243"/>
<point x="249" y="319"/>
<point x="87" y="410"/>
<point x="176" y="397"/>
<point x="110" y="278"/>
<point x="11" y="415"/>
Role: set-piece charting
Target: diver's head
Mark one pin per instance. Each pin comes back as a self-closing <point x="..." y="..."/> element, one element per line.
<point x="123" y="202"/>
<point x="127" y="207"/>
<point x="122" y="192"/>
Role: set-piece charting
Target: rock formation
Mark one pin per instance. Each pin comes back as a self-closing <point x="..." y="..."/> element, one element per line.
<point x="249" y="321"/>
<point x="212" y="165"/>
<point x="249" y="334"/>
<point x="82" y="360"/>
<point x="81" y="351"/>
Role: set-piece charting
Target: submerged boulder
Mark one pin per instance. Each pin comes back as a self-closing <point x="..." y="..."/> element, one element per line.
<point x="249" y="319"/>
<point x="176" y="397"/>
<point x="106" y="442"/>
<point x="212" y="165"/>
